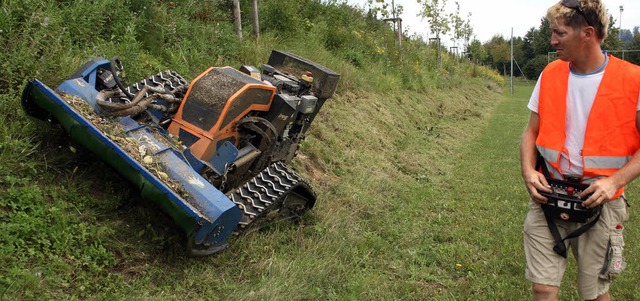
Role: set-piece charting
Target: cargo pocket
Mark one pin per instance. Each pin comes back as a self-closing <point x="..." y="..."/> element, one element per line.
<point x="614" y="262"/>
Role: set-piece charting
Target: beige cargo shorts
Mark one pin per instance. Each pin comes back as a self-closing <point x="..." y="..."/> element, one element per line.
<point x="598" y="252"/>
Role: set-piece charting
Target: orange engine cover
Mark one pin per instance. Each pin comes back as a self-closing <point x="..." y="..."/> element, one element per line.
<point x="215" y="101"/>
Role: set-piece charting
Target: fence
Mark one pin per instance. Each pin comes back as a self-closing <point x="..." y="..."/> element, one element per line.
<point x="554" y="55"/>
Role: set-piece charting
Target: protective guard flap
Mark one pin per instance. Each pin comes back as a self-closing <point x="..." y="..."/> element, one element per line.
<point x="325" y="80"/>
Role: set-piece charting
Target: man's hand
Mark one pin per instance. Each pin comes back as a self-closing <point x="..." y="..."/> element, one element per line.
<point x="535" y="182"/>
<point x="601" y="192"/>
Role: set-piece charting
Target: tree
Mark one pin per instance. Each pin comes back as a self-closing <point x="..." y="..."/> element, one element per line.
<point x="634" y="57"/>
<point x="476" y="51"/>
<point x="542" y="38"/>
<point x="433" y="11"/>
<point x="498" y="49"/>
<point x="237" y="18"/>
<point x="386" y="8"/>
<point x="612" y="42"/>
<point x="626" y="36"/>
<point x="467" y="30"/>
<point x="390" y="12"/>
<point x="256" y="21"/>
<point x="458" y="25"/>
<point x="533" y="67"/>
<point x="527" y="44"/>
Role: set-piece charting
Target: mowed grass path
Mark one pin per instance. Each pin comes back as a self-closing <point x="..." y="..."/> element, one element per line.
<point x="489" y="202"/>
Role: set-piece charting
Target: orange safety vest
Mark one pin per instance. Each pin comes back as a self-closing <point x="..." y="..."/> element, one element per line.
<point x="611" y="137"/>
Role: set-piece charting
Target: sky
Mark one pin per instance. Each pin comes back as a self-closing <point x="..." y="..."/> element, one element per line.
<point x="486" y="22"/>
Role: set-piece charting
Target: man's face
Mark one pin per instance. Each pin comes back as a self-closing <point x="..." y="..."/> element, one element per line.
<point x="566" y="40"/>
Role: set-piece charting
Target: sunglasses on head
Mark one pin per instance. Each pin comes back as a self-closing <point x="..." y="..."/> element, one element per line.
<point x="575" y="5"/>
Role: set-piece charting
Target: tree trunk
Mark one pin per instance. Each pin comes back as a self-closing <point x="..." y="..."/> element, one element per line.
<point x="237" y="18"/>
<point x="256" y="22"/>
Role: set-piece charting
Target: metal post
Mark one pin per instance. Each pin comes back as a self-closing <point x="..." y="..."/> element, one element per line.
<point x="397" y="25"/>
<point x="437" y="40"/>
<point x="439" y="55"/>
<point x="400" y="34"/>
<point x="454" y="50"/>
<point x="511" y="89"/>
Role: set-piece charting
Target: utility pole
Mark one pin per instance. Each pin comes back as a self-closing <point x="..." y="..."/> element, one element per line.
<point x="511" y="89"/>
<point x="620" y="33"/>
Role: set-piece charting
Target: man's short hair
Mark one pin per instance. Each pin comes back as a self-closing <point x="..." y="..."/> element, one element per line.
<point x="594" y="13"/>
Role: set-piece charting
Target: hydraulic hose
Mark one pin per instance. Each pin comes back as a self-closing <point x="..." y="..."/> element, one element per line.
<point x="114" y="65"/>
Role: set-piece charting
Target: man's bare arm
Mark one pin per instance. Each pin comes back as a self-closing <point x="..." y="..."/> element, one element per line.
<point x="533" y="180"/>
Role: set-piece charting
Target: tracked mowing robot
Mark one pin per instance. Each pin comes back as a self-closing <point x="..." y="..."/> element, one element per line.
<point x="213" y="152"/>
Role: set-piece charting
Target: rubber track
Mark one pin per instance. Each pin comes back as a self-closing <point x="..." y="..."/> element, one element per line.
<point x="262" y="196"/>
<point x="170" y="80"/>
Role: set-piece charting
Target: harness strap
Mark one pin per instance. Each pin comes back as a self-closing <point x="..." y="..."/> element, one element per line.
<point x="560" y="248"/>
<point x="541" y="164"/>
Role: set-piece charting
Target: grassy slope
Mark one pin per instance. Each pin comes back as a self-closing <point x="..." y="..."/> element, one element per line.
<point x="379" y="163"/>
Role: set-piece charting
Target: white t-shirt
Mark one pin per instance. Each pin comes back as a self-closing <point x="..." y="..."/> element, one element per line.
<point x="580" y="96"/>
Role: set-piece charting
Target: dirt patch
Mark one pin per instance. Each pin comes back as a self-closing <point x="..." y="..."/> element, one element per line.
<point x="314" y="171"/>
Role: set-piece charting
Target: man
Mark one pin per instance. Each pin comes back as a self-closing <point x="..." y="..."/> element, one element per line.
<point x="584" y="122"/>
